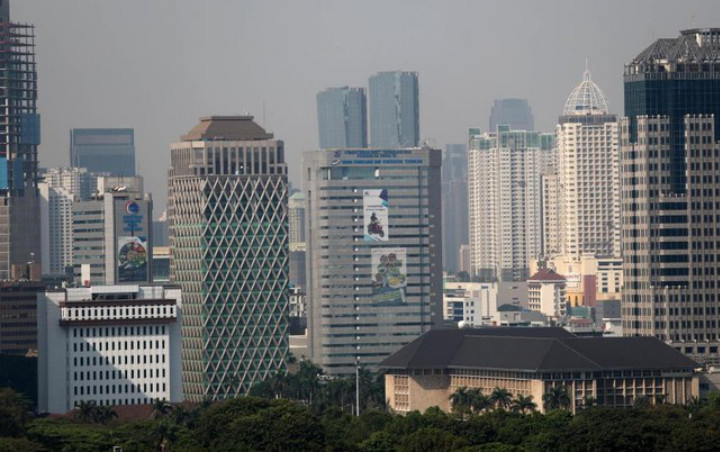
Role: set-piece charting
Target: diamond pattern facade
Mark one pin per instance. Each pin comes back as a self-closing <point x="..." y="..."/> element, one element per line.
<point x="229" y="245"/>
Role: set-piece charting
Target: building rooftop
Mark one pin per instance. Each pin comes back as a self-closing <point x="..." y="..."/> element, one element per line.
<point x="586" y="99"/>
<point x="534" y="350"/>
<point x="228" y="128"/>
<point x="547" y="274"/>
<point x="699" y="45"/>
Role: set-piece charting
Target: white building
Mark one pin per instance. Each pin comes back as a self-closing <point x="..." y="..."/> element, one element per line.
<point x="472" y="303"/>
<point x="59" y="189"/>
<point x="588" y="174"/>
<point x="546" y="293"/>
<point x="112" y="233"/>
<point x="504" y="201"/>
<point x="112" y="345"/>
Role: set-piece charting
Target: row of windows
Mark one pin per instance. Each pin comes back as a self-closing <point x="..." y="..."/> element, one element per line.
<point x="118" y="331"/>
<point x="117" y="360"/>
<point x="115" y="374"/>
<point x="118" y="389"/>
<point x="121" y="345"/>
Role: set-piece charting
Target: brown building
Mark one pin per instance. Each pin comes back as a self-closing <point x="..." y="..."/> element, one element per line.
<point x="18" y="323"/>
<point x="530" y="361"/>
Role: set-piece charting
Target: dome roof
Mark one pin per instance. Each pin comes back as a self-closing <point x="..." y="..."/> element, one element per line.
<point x="587" y="98"/>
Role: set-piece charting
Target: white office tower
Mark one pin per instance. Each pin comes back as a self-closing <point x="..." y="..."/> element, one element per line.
<point x="59" y="189"/>
<point x="112" y="345"/>
<point x="374" y="252"/>
<point x="504" y="185"/>
<point x="588" y="174"/>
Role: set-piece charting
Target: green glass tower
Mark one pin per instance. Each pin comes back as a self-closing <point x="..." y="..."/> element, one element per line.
<point x="228" y="225"/>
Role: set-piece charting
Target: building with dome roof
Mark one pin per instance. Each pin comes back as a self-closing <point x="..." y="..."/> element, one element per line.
<point x="587" y="180"/>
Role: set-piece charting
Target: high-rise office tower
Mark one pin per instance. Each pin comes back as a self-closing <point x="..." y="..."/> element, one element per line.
<point x="112" y="233"/>
<point x="342" y="118"/>
<point x="59" y="189"/>
<point x="504" y="201"/>
<point x="394" y="110"/>
<point x="455" y="195"/>
<point x="588" y="174"/>
<point x="228" y="230"/>
<point x="670" y="191"/>
<point x="296" y="221"/>
<point x="19" y="140"/>
<point x="374" y="246"/>
<point x="515" y="113"/>
<point x="108" y="151"/>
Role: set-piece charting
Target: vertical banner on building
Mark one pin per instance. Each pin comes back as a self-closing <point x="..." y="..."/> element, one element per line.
<point x="133" y="249"/>
<point x="375" y="215"/>
<point x="132" y="259"/>
<point x="389" y="273"/>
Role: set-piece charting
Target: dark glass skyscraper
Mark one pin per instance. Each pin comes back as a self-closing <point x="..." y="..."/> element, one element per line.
<point x="515" y="113"/>
<point x="19" y="140"/>
<point x="670" y="191"/>
<point x="342" y="118"/>
<point x="394" y="110"/>
<point x="455" y="211"/>
<point x="110" y="151"/>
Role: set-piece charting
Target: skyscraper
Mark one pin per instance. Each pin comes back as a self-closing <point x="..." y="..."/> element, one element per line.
<point x="670" y="161"/>
<point x="394" y="110"/>
<point x="19" y="140"/>
<point x="374" y="245"/>
<point x="112" y="233"/>
<point x="60" y="188"/>
<point x="455" y="213"/>
<point x="110" y="151"/>
<point x="515" y="113"/>
<point x="504" y="201"/>
<point x="228" y="230"/>
<point x="588" y="174"/>
<point x="342" y="118"/>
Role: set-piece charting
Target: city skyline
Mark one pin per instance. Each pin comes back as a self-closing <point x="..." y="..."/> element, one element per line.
<point x="89" y="87"/>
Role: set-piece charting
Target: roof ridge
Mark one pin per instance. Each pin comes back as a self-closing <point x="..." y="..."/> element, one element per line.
<point x="578" y="352"/>
<point x="582" y="356"/>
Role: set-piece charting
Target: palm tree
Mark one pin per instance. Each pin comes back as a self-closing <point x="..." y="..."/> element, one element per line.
<point x="523" y="404"/>
<point x="641" y="402"/>
<point x="161" y="409"/>
<point x="180" y="415"/>
<point x="477" y="401"/>
<point x="501" y="398"/>
<point x="557" y="397"/>
<point x="85" y="411"/>
<point x="460" y="401"/>
<point x="693" y="405"/>
<point x="104" y="414"/>
<point x="661" y="399"/>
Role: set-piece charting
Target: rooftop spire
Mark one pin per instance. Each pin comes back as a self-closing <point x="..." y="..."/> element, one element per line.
<point x="587" y="98"/>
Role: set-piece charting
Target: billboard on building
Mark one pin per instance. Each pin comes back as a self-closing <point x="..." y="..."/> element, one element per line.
<point x="132" y="226"/>
<point x="132" y="259"/>
<point x="375" y="215"/>
<point x="389" y="273"/>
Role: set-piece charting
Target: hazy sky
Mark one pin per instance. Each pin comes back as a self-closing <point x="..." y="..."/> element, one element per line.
<point x="158" y="65"/>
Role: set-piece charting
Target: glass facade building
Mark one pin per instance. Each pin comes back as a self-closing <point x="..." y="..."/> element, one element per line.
<point x="670" y="183"/>
<point x="342" y="114"/>
<point x="228" y="231"/>
<point x="374" y="252"/>
<point x="515" y="113"/>
<point x="394" y="110"/>
<point x="110" y="151"/>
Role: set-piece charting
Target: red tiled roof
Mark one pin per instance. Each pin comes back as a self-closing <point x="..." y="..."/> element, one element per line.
<point x="547" y="274"/>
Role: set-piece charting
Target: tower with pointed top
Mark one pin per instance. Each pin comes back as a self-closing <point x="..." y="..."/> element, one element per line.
<point x="588" y="181"/>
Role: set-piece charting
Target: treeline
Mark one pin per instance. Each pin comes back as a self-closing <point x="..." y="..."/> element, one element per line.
<point x="260" y="424"/>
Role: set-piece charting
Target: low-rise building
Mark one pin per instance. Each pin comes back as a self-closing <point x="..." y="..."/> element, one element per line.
<point x="530" y="362"/>
<point x="112" y="345"/>
<point x="546" y="293"/>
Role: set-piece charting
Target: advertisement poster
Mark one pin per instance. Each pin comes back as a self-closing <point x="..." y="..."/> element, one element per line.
<point x="389" y="270"/>
<point x="375" y="215"/>
<point x="132" y="259"/>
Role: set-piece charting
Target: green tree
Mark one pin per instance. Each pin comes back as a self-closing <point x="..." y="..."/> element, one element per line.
<point x="104" y="414"/>
<point x="556" y="398"/>
<point x="641" y="403"/>
<point x="460" y="401"/>
<point x="161" y="409"/>
<point x="14" y="412"/>
<point x="524" y="404"/>
<point x="501" y="398"/>
<point x="479" y="402"/>
<point x="431" y="439"/>
<point x="85" y="411"/>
